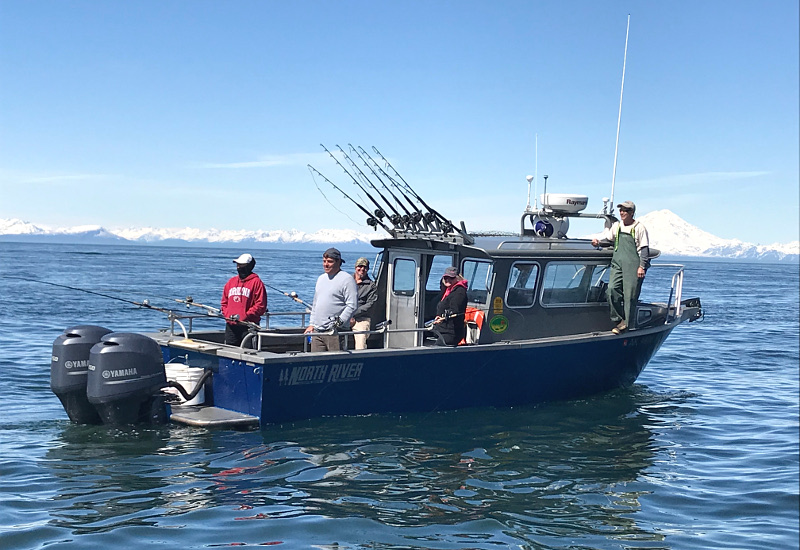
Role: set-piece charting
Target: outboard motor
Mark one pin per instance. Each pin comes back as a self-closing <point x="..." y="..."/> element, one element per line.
<point x="126" y="374"/>
<point x="69" y="368"/>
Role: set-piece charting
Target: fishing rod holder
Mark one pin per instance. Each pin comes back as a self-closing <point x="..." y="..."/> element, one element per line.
<point x="406" y="215"/>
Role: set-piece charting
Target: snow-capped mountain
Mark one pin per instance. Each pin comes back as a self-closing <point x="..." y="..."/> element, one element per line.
<point x="152" y="235"/>
<point x="674" y="236"/>
<point x="23" y="228"/>
<point x="668" y="233"/>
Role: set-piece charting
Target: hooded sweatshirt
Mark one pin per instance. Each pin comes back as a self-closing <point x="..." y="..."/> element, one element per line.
<point x="246" y="298"/>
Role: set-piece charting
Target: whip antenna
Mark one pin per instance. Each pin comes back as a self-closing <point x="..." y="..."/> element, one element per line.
<point x="619" y="117"/>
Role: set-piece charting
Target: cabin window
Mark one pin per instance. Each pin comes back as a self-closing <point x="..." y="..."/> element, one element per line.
<point x="404" y="281"/>
<point x="521" y="284"/>
<point x="479" y="274"/>
<point x="574" y="283"/>
<point x="438" y="263"/>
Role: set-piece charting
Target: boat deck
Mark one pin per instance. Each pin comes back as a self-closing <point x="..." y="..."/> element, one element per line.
<point x="212" y="417"/>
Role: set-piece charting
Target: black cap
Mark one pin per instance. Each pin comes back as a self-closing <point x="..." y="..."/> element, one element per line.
<point x="333" y="254"/>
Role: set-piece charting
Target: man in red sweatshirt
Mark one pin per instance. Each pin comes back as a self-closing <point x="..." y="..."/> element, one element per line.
<point x="244" y="298"/>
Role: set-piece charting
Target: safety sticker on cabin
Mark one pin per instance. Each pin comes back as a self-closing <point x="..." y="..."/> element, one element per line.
<point x="498" y="324"/>
<point x="497" y="306"/>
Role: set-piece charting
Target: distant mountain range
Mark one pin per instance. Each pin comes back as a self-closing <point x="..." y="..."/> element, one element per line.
<point x="668" y="232"/>
<point x="676" y="237"/>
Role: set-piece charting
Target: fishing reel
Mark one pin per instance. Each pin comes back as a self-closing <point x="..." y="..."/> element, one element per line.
<point x="335" y="323"/>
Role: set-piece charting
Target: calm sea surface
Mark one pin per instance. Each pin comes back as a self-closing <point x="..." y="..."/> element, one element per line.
<point x="701" y="453"/>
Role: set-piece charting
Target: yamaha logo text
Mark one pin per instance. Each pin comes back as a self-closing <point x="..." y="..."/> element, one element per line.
<point x="119" y="373"/>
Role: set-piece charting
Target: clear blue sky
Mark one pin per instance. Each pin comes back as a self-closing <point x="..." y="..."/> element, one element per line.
<point x="205" y="113"/>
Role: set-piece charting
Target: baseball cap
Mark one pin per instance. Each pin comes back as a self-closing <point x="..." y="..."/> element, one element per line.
<point x="243" y="259"/>
<point x="333" y="254"/>
<point x="451" y="272"/>
<point x="628" y="205"/>
<point x="362" y="261"/>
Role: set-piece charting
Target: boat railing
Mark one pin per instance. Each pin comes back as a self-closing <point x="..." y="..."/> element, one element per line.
<point x="185" y="321"/>
<point x="262" y="336"/>
<point x="675" y="298"/>
<point x="302" y="314"/>
<point x="186" y="328"/>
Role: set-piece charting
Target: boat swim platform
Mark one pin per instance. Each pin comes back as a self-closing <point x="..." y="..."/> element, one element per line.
<point x="212" y="417"/>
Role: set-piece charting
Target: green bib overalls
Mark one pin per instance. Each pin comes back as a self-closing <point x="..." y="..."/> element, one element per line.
<point x="624" y="285"/>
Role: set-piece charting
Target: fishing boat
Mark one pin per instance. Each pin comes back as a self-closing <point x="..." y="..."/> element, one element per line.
<point x="537" y="317"/>
<point x="538" y="330"/>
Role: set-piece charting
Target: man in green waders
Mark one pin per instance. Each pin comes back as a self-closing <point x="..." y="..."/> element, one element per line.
<point x="628" y="265"/>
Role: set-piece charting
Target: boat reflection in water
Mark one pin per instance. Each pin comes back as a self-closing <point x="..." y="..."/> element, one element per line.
<point x="514" y="476"/>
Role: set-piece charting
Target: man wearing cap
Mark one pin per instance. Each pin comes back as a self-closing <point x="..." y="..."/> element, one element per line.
<point x="244" y="298"/>
<point x="628" y="265"/>
<point x="367" y="296"/>
<point x="335" y="300"/>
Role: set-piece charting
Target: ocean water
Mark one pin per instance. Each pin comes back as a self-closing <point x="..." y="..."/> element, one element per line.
<point x="702" y="452"/>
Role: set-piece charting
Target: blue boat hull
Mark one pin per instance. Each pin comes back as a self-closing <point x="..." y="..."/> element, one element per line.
<point x="291" y="387"/>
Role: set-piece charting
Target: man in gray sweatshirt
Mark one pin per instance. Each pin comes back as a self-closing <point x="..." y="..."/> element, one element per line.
<point x="335" y="300"/>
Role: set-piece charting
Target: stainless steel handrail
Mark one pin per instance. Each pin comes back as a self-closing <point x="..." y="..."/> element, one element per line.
<point x="676" y="290"/>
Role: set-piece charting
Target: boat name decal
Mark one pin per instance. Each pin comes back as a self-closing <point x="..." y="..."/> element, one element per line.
<point x="320" y="374"/>
<point x="74" y="364"/>
<point x="119" y="373"/>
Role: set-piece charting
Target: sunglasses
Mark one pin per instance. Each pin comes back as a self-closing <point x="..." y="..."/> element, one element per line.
<point x="361" y="267"/>
<point x="446" y="278"/>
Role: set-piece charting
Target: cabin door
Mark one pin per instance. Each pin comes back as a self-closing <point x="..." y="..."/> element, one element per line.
<point x="413" y="291"/>
<point x="403" y="302"/>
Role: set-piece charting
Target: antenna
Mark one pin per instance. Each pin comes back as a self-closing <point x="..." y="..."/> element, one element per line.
<point x="533" y="178"/>
<point x="536" y="176"/>
<point x="619" y="117"/>
<point x="545" y="198"/>
<point x="530" y="179"/>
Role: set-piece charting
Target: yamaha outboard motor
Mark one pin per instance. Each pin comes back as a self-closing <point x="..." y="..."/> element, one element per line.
<point x="69" y="368"/>
<point x="126" y="374"/>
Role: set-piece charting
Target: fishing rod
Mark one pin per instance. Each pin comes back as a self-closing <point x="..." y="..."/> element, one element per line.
<point x="426" y="219"/>
<point x="448" y="316"/>
<point x="189" y="301"/>
<point x="445" y="224"/>
<point x="396" y="218"/>
<point x="293" y="295"/>
<point x="380" y="213"/>
<point x="372" y="220"/>
<point x="442" y="220"/>
<point x="409" y="217"/>
<point x="172" y="315"/>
